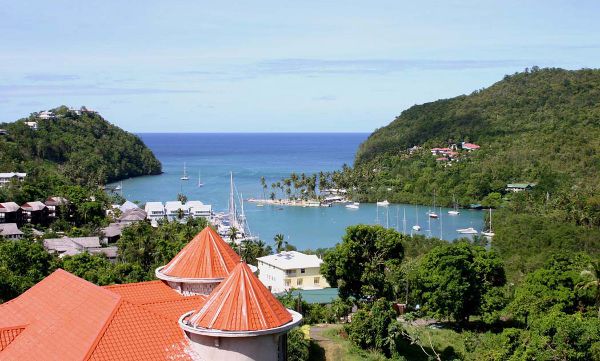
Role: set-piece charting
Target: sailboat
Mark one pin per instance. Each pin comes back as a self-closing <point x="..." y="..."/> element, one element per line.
<point x="384" y="203"/>
<point x="184" y="176"/>
<point x="416" y="227"/>
<point x="489" y="232"/>
<point x="431" y="213"/>
<point x="354" y="205"/>
<point x="455" y="211"/>
<point x="200" y="184"/>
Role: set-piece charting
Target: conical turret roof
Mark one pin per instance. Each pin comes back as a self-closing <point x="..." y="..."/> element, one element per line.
<point x="207" y="256"/>
<point x="240" y="303"/>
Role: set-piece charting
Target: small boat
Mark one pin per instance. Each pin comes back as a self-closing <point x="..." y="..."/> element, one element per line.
<point x="432" y="214"/>
<point x="184" y="176"/>
<point x="118" y="187"/>
<point x="354" y="205"/>
<point x="200" y="184"/>
<point x="383" y="203"/>
<point x="416" y="227"/>
<point x="489" y="232"/>
<point x="469" y="230"/>
<point x="455" y="211"/>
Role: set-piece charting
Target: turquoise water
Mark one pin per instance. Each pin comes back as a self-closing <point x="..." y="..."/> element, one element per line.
<point x="275" y="155"/>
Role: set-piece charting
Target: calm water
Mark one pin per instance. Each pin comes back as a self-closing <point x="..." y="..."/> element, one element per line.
<point x="252" y="155"/>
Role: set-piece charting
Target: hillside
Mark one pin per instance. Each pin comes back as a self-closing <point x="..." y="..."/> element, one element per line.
<point x="541" y="127"/>
<point x="79" y="146"/>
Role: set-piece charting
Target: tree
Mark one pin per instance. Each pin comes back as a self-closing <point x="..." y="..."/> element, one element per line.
<point x="370" y="326"/>
<point x="279" y="242"/>
<point x="361" y="264"/>
<point x="591" y="279"/>
<point x="298" y="345"/>
<point x="454" y="279"/>
<point x="23" y="263"/>
<point x="182" y="198"/>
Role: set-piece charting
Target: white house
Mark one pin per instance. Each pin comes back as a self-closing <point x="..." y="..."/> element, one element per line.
<point x="283" y="271"/>
<point x="199" y="209"/>
<point x="174" y="208"/>
<point x="155" y="210"/>
<point x="32" y="125"/>
<point x="6" y="178"/>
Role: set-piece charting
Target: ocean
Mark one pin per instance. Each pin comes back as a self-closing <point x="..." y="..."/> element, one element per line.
<point x="211" y="156"/>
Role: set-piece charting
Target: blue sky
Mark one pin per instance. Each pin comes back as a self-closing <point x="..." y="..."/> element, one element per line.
<point x="179" y="66"/>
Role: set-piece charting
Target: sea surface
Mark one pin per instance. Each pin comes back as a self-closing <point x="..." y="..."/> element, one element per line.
<point x="212" y="156"/>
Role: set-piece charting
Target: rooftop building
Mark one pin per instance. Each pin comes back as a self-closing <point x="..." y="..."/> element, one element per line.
<point x="64" y="317"/>
<point x="70" y="246"/>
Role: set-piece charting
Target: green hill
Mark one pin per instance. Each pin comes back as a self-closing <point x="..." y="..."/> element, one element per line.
<point x="77" y="147"/>
<point x="541" y="126"/>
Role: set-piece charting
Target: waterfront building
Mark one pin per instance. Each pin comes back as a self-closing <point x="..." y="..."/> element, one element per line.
<point x="10" y="231"/>
<point x="128" y="205"/>
<point x="283" y="271"/>
<point x="6" y="178"/>
<point x="155" y="210"/>
<point x="176" y="210"/>
<point x="10" y="212"/>
<point x="199" y="209"/>
<point x="64" y="317"/>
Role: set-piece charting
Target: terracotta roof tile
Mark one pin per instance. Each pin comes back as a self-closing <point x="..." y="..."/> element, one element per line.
<point x="7" y="335"/>
<point x="145" y="292"/>
<point x="135" y="333"/>
<point x="175" y="308"/>
<point x="241" y="303"/>
<point x="206" y="256"/>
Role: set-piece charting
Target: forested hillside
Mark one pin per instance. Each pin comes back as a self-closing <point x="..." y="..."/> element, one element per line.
<point x="79" y="146"/>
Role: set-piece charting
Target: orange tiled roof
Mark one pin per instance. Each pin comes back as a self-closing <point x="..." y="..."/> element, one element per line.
<point x="206" y="256"/>
<point x="241" y="303"/>
<point x="64" y="317"/>
<point x="175" y="308"/>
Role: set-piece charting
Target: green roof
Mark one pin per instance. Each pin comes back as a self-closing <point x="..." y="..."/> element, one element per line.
<point x="325" y="295"/>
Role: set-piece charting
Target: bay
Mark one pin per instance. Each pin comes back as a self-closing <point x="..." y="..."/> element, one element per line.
<point x="275" y="155"/>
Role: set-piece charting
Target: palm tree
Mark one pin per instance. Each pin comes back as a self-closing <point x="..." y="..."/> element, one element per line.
<point x="591" y="279"/>
<point x="180" y="213"/>
<point x="279" y="242"/>
<point x="233" y="234"/>
<point x="182" y="198"/>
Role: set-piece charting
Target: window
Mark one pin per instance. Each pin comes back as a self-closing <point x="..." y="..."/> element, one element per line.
<point x="299" y="282"/>
<point x="287" y="283"/>
<point x="317" y="280"/>
<point x="302" y="270"/>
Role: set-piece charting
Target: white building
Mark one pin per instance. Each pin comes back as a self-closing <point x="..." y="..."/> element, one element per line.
<point x="199" y="209"/>
<point x="32" y="125"/>
<point x="283" y="271"/>
<point x="6" y="178"/>
<point x="176" y="210"/>
<point x="155" y="210"/>
<point x="46" y="114"/>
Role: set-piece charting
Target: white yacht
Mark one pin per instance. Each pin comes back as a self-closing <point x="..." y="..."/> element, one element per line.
<point x="469" y="230"/>
<point x="416" y="227"/>
<point x="354" y="205"/>
<point x="454" y="211"/>
<point x="489" y="232"/>
<point x="184" y="176"/>
<point x="383" y="203"/>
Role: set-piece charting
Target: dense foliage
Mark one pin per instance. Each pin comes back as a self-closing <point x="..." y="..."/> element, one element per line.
<point x="82" y="148"/>
<point x="360" y="266"/>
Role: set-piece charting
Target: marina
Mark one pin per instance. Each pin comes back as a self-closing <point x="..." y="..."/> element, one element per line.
<point x="275" y="156"/>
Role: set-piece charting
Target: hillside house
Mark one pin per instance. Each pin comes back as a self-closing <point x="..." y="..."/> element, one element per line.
<point x="470" y="146"/>
<point x="6" y="178"/>
<point x="283" y="271"/>
<point x="519" y="187"/>
<point x="34" y="212"/>
<point x="32" y="125"/>
<point x="70" y="246"/>
<point x="55" y="205"/>
<point x="10" y="231"/>
<point x="10" y="212"/>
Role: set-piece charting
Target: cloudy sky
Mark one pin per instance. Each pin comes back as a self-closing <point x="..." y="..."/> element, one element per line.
<point x="183" y="66"/>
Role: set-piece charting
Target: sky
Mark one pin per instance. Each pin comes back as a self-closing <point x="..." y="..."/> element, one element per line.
<point x="267" y="66"/>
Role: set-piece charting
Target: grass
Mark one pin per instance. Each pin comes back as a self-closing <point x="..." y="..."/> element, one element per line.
<point x="448" y="343"/>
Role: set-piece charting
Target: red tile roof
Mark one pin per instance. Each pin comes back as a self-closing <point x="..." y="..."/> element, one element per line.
<point x="240" y="303"/>
<point x="64" y="317"/>
<point x="206" y="256"/>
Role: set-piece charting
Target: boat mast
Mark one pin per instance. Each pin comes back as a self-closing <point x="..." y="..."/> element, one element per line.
<point x="404" y="221"/>
<point x="441" y="225"/>
<point x="232" y="215"/>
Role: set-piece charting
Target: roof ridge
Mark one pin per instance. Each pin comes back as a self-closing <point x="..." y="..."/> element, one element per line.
<point x="107" y="323"/>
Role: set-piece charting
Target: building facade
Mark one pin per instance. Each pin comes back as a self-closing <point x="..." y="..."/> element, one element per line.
<point x="286" y="270"/>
